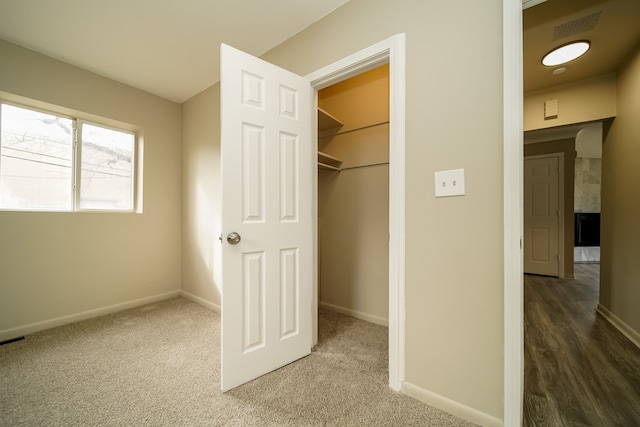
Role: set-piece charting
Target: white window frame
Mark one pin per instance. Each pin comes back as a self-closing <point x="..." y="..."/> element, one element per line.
<point x="76" y="160"/>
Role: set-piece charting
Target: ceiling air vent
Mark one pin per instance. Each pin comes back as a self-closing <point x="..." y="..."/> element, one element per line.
<point x="576" y="26"/>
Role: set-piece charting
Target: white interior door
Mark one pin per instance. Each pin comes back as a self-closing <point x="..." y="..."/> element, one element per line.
<point x="541" y="216"/>
<point x="266" y="199"/>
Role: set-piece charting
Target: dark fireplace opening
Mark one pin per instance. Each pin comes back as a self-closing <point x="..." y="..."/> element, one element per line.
<point x="587" y="229"/>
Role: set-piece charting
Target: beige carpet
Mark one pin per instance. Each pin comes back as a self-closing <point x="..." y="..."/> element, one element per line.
<point x="159" y="365"/>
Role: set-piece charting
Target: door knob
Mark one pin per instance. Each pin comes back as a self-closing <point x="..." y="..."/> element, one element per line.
<point x="233" y="238"/>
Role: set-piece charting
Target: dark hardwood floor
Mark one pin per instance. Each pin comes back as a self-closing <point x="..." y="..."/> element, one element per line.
<point x="579" y="369"/>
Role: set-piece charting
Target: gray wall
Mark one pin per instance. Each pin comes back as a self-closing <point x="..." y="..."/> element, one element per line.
<point x="588" y="178"/>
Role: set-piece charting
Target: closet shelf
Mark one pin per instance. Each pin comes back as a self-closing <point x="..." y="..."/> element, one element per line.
<point x="328" y="167"/>
<point x="337" y="132"/>
<point x="326" y="161"/>
<point x="327" y="123"/>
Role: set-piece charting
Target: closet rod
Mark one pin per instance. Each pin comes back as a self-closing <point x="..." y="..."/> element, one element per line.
<point x="360" y="128"/>
<point x="365" y="166"/>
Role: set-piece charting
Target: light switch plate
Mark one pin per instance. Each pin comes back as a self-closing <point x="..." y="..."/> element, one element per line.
<point x="450" y="183"/>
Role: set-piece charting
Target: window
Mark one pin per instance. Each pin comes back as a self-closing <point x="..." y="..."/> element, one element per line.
<point x="54" y="163"/>
<point x="106" y="175"/>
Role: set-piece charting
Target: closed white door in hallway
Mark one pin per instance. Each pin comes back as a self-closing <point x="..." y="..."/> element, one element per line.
<point x="541" y="216"/>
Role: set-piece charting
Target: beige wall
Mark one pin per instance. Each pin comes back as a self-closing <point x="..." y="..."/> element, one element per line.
<point x="620" y="232"/>
<point x="567" y="147"/>
<point x="454" y="245"/>
<point x="61" y="264"/>
<point x="584" y="101"/>
<point x="353" y="205"/>
<point x="201" y="196"/>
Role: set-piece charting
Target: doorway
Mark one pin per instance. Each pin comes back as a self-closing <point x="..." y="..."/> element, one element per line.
<point x="353" y="196"/>
<point x="297" y="187"/>
<point x="580" y="172"/>
<point x="353" y="204"/>
<point x="391" y="51"/>
<point x="587" y="194"/>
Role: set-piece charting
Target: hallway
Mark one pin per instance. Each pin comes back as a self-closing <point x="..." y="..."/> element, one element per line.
<point x="579" y="369"/>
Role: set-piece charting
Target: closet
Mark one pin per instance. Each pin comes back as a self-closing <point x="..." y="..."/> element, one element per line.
<point x="353" y="196"/>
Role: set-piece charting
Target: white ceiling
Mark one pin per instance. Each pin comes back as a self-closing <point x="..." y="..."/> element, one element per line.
<point x="612" y="26"/>
<point x="171" y="47"/>
<point x="166" y="47"/>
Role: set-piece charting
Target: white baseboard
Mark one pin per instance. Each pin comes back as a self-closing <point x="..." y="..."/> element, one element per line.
<point x="201" y="301"/>
<point x="450" y="406"/>
<point x="353" y="313"/>
<point x="31" y="328"/>
<point x="620" y="325"/>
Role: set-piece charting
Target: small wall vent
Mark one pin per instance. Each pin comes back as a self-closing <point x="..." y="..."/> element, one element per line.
<point x="576" y="26"/>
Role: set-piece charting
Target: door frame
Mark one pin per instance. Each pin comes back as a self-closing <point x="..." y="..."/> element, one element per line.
<point x="512" y="154"/>
<point x="561" y="248"/>
<point x="391" y="51"/>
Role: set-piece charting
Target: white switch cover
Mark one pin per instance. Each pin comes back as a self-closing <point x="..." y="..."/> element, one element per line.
<point x="450" y="183"/>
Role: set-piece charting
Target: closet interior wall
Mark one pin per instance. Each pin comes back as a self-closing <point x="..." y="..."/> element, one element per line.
<point x="353" y="203"/>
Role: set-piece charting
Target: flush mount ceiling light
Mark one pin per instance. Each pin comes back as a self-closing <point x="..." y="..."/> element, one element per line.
<point x="566" y="53"/>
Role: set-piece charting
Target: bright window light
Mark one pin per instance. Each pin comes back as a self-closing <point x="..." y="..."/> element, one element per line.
<point x="566" y="53"/>
<point x="106" y="178"/>
<point x="55" y="163"/>
<point x="36" y="160"/>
